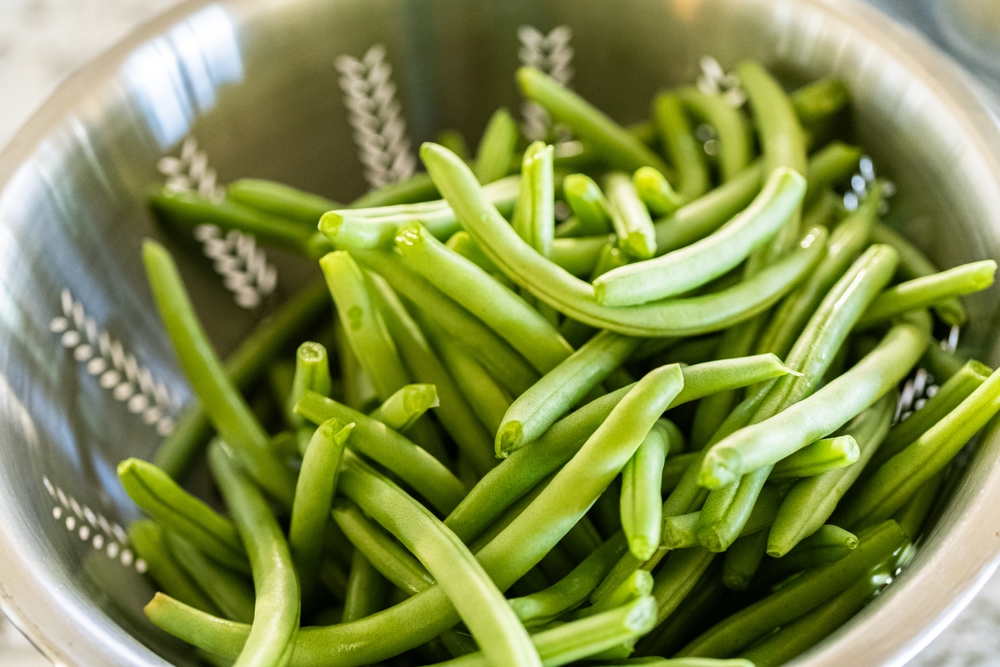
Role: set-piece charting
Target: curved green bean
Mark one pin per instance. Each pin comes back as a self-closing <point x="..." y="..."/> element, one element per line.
<point x="471" y="287"/>
<point x="614" y="143"/>
<point x="629" y="216"/>
<point x="534" y="411"/>
<point x="280" y="199"/>
<point x="149" y="541"/>
<point x="416" y="188"/>
<point x="413" y="465"/>
<point x="222" y="401"/>
<point x="655" y="192"/>
<point x="681" y="146"/>
<point x="734" y="140"/>
<point x="163" y="499"/>
<point x="276" y="611"/>
<point x="690" y="267"/>
<point x="229" y="592"/>
<point x="641" y="511"/>
<point x="496" y="148"/>
<point x="819" y="457"/>
<point x="827" y="545"/>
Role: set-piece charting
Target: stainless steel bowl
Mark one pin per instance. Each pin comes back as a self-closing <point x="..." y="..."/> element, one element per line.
<point x="211" y="92"/>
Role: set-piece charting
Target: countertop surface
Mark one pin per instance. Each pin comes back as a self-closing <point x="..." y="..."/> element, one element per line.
<point x="41" y="41"/>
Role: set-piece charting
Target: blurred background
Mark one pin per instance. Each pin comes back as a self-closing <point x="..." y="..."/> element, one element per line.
<point x="42" y="41"/>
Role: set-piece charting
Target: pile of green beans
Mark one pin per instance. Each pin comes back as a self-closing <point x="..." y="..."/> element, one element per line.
<point x="505" y="439"/>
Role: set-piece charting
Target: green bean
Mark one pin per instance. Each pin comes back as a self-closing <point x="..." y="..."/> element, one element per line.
<point x="846" y="242"/>
<point x="359" y="392"/>
<point x="743" y="559"/>
<point x="690" y="267"/>
<point x="913" y="513"/>
<point x="828" y="167"/>
<point x="679" y="531"/>
<point x="902" y="475"/>
<point x="818" y="105"/>
<point x="406" y="406"/>
<point x="614" y="143"/>
<point x="678" y="628"/>
<point x="676" y="579"/>
<point x="502" y="361"/>
<point x="276" y="612"/>
<point x="506" y="313"/>
<point x="222" y="401"/>
<point x="638" y="585"/>
<point x="416" y="188"/>
<point x="811" y="501"/>
<point x="583" y="638"/>
<point x="629" y="216"/>
<point x="644" y="131"/>
<point x="184" y="211"/>
<point x="929" y="290"/>
<point x="384" y="553"/>
<point x="454" y="413"/>
<point x="655" y="192"/>
<point x="818" y="415"/>
<point x="823" y="211"/>
<point x="801" y="635"/>
<point x="641" y="511"/>
<point x="673" y="469"/>
<point x="280" y="199"/>
<point x="462" y="243"/>
<point x="914" y="264"/>
<point x="570" y="591"/>
<point x="699" y="218"/>
<point x="681" y="146"/>
<point x="819" y="457"/>
<point x="280" y="379"/>
<point x="578" y="256"/>
<point x="803" y="595"/>
<point x="360" y="229"/>
<point x="939" y="362"/>
<point x="334" y="578"/>
<point x="606" y="513"/>
<point x="455" y="141"/>
<point x="534" y="215"/>
<point x="534" y="411"/>
<point x="366" y="589"/>
<point x="312" y="373"/>
<point x="687" y="351"/>
<point x="244" y="366"/>
<point x="955" y="390"/>
<point x="496" y="148"/>
<point x="576" y="298"/>
<point x="489" y="401"/>
<point x="163" y="499"/>
<point x="525" y="467"/>
<point x="149" y="541"/>
<point x="588" y="203"/>
<point x="314" y="492"/>
<point x="413" y="465"/>
<point x="734" y="140"/>
<point x="229" y="592"/>
<point x="509" y="514"/>
<point x="827" y="545"/>
<point x="480" y="604"/>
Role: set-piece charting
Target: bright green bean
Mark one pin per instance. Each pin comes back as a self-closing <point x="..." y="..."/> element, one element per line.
<point x="629" y="216"/>
<point x="280" y="199"/>
<point x="828" y="167"/>
<point x="914" y="264"/>
<point x="734" y="140"/>
<point x="929" y="290"/>
<point x="588" y="203"/>
<point x="276" y="612"/>
<point x="827" y="545"/>
<point x="479" y="602"/>
<point x="406" y="406"/>
<point x="638" y="585"/>
<point x="454" y="413"/>
<point x="416" y="188"/>
<point x="455" y="141"/>
<point x="502" y="310"/>
<point x="384" y="553"/>
<point x="681" y="146"/>
<point x="228" y="591"/>
<point x="222" y="401"/>
<point x="680" y="531"/>
<point x="819" y="457"/>
<point x="819" y="104"/>
<point x="463" y="244"/>
<point x="811" y="501"/>
<point x="801" y="635"/>
<point x="903" y="474"/>
<point x="735" y="633"/>
<point x="358" y="390"/>
<point x="312" y="373"/>
<point x="534" y="411"/>
<point x="314" y="492"/>
<point x="502" y="361"/>
<point x="570" y="591"/>
<point x="163" y="499"/>
<point x="614" y="143"/>
<point x="534" y="216"/>
<point x="496" y="148"/>
<point x="655" y="192"/>
<point x="641" y="511"/>
<point x="743" y="559"/>
<point x="149" y="541"/>
<point x="690" y="267"/>
<point x="576" y="298"/>
<point x="578" y="256"/>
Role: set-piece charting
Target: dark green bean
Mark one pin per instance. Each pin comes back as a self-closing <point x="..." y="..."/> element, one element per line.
<point x="734" y="140"/>
<point x="280" y="199"/>
<point x="823" y="211"/>
<point x="222" y="401"/>
<point x="366" y="589"/>
<point x="743" y="559"/>
<point x="827" y="545"/>
<point x="416" y="188"/>
<point x="638" y="585"/>
<point x="939" y="362"/>
<point x="819" y="106"/>
<point x="149" y="541"/>
<point x="678" y="628"/>
<point x="913" y="514"/>
<point x="229" y="592"/>
<point x="681" y="146"/>
<point x="496" y="148"/>
<point x="678" y="576"/>
<point x="276" y="612"/>
<point x="614" y="143"/>
<point x="828" y="167"/>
